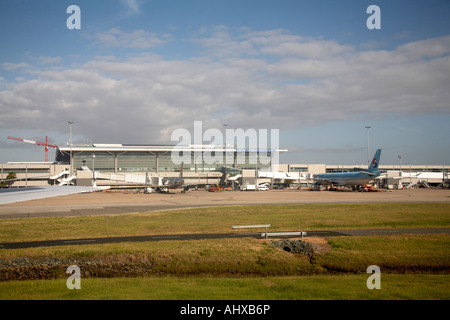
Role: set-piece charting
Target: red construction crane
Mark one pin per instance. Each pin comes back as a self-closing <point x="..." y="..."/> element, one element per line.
<point x="45" y="144"/>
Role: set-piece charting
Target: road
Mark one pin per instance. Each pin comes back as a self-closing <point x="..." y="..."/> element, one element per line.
<point x="198" y="236"/>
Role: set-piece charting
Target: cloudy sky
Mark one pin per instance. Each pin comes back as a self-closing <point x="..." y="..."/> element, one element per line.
<point x="136" y="70"/>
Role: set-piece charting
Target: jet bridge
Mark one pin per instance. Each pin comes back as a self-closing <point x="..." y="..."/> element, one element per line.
<point x="132" y="178"/>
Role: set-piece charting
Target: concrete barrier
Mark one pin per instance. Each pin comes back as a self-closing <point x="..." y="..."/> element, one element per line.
<point x="283" y="234"/>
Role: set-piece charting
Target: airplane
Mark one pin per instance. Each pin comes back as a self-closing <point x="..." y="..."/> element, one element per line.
<point x="353" y="179"/>
<point x="170" y="183"/>
<point x="164" y="184"/>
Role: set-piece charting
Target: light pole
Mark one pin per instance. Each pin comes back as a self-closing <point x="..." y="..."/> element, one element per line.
<point x="225" y="153"/>
<point x="256" y="172"/>
<point x="70" y="143"/>
<point x="93" y="168"/>
<point x="368" y="145"/>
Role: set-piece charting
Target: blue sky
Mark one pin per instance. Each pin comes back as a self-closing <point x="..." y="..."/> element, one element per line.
<point x="137" y="70"/>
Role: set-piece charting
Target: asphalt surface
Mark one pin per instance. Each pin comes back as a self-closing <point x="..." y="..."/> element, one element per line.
<point x="128" y="202"/>
<point x="198" y="236"/>
<point x="103" y="203"/>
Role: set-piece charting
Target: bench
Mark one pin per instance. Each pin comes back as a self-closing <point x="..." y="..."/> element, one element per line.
<point x="283" y="234"/>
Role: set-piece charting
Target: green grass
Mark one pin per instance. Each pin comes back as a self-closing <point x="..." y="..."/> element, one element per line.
<point x="247" y="257"/>
<point x="220" y="219"/>
<point x="329" y="287"/>
<point x="398" y="253"/>
<point x="412" y="266"/>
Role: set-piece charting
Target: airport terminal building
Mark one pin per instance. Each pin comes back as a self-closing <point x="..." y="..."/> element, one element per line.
<point x="128" y="164"/>
<point x="200" y="164"/>
<point x="119" y="158"/>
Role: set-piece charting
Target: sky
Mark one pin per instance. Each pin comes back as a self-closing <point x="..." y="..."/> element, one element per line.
<point x="136" y="70"/>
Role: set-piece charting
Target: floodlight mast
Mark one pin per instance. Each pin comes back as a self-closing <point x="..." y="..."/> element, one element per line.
<point x="368" y="145"/>
<point x="70" y="138"/>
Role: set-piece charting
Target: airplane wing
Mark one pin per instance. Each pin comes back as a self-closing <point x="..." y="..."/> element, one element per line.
<point x="371" y="174"/>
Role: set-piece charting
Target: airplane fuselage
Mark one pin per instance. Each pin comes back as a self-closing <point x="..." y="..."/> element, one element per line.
<point x="172" y="183"/>
<point x="345" y="178"/>
<point x="357" y="178"/>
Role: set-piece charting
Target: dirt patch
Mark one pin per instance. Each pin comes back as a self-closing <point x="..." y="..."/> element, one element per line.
<point x="318" y="244"/>
<point x="309" y="248"/>
<point x="321" y="245"/>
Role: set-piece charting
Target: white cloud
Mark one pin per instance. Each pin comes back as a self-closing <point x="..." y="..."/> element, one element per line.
<point x="132" y="5"/>
<point x="49" y="60"/>
<point x="225" y="41"/>
<point x="14" y="66"/>
<point x="309" y="49"/>
<point x="140" y="39"/>
<point x="249" y="82"/>
<point x="426" y="48"/>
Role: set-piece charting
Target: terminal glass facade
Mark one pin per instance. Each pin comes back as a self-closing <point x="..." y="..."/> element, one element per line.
<point x="118" y="160"/>
<point x="103" y="161"/>
<point x="136" y="162"/>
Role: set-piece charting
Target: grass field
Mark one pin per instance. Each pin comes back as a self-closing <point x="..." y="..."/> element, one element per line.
<point x="412" y="266"/>
<point x="335" y="287"/>
<point x="220" y="219"/>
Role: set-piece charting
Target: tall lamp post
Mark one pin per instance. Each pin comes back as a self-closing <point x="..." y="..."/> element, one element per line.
<point x="93" y="169"/>
<point x="225" y="153"/>
<point x="70" y="143"/>
<point x="368" y="145"/>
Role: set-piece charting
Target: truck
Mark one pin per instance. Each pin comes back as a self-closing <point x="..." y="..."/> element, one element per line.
<point x="252" y="187"/>
<point x="249" y="187"/>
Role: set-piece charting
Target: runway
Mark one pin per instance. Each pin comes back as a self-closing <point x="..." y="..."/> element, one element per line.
<point x="107" y="203"/>
<point x="102" y="203"/>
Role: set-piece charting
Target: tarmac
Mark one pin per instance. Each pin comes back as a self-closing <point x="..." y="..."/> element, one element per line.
<point x="122" y="202"/>
<point x="104" y="203"/>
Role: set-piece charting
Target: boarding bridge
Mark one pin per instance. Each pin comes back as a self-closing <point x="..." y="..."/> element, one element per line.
<point x="130" y="178"/>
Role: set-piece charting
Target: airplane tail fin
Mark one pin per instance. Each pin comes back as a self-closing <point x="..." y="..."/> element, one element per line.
<point x="375" y="161"/>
